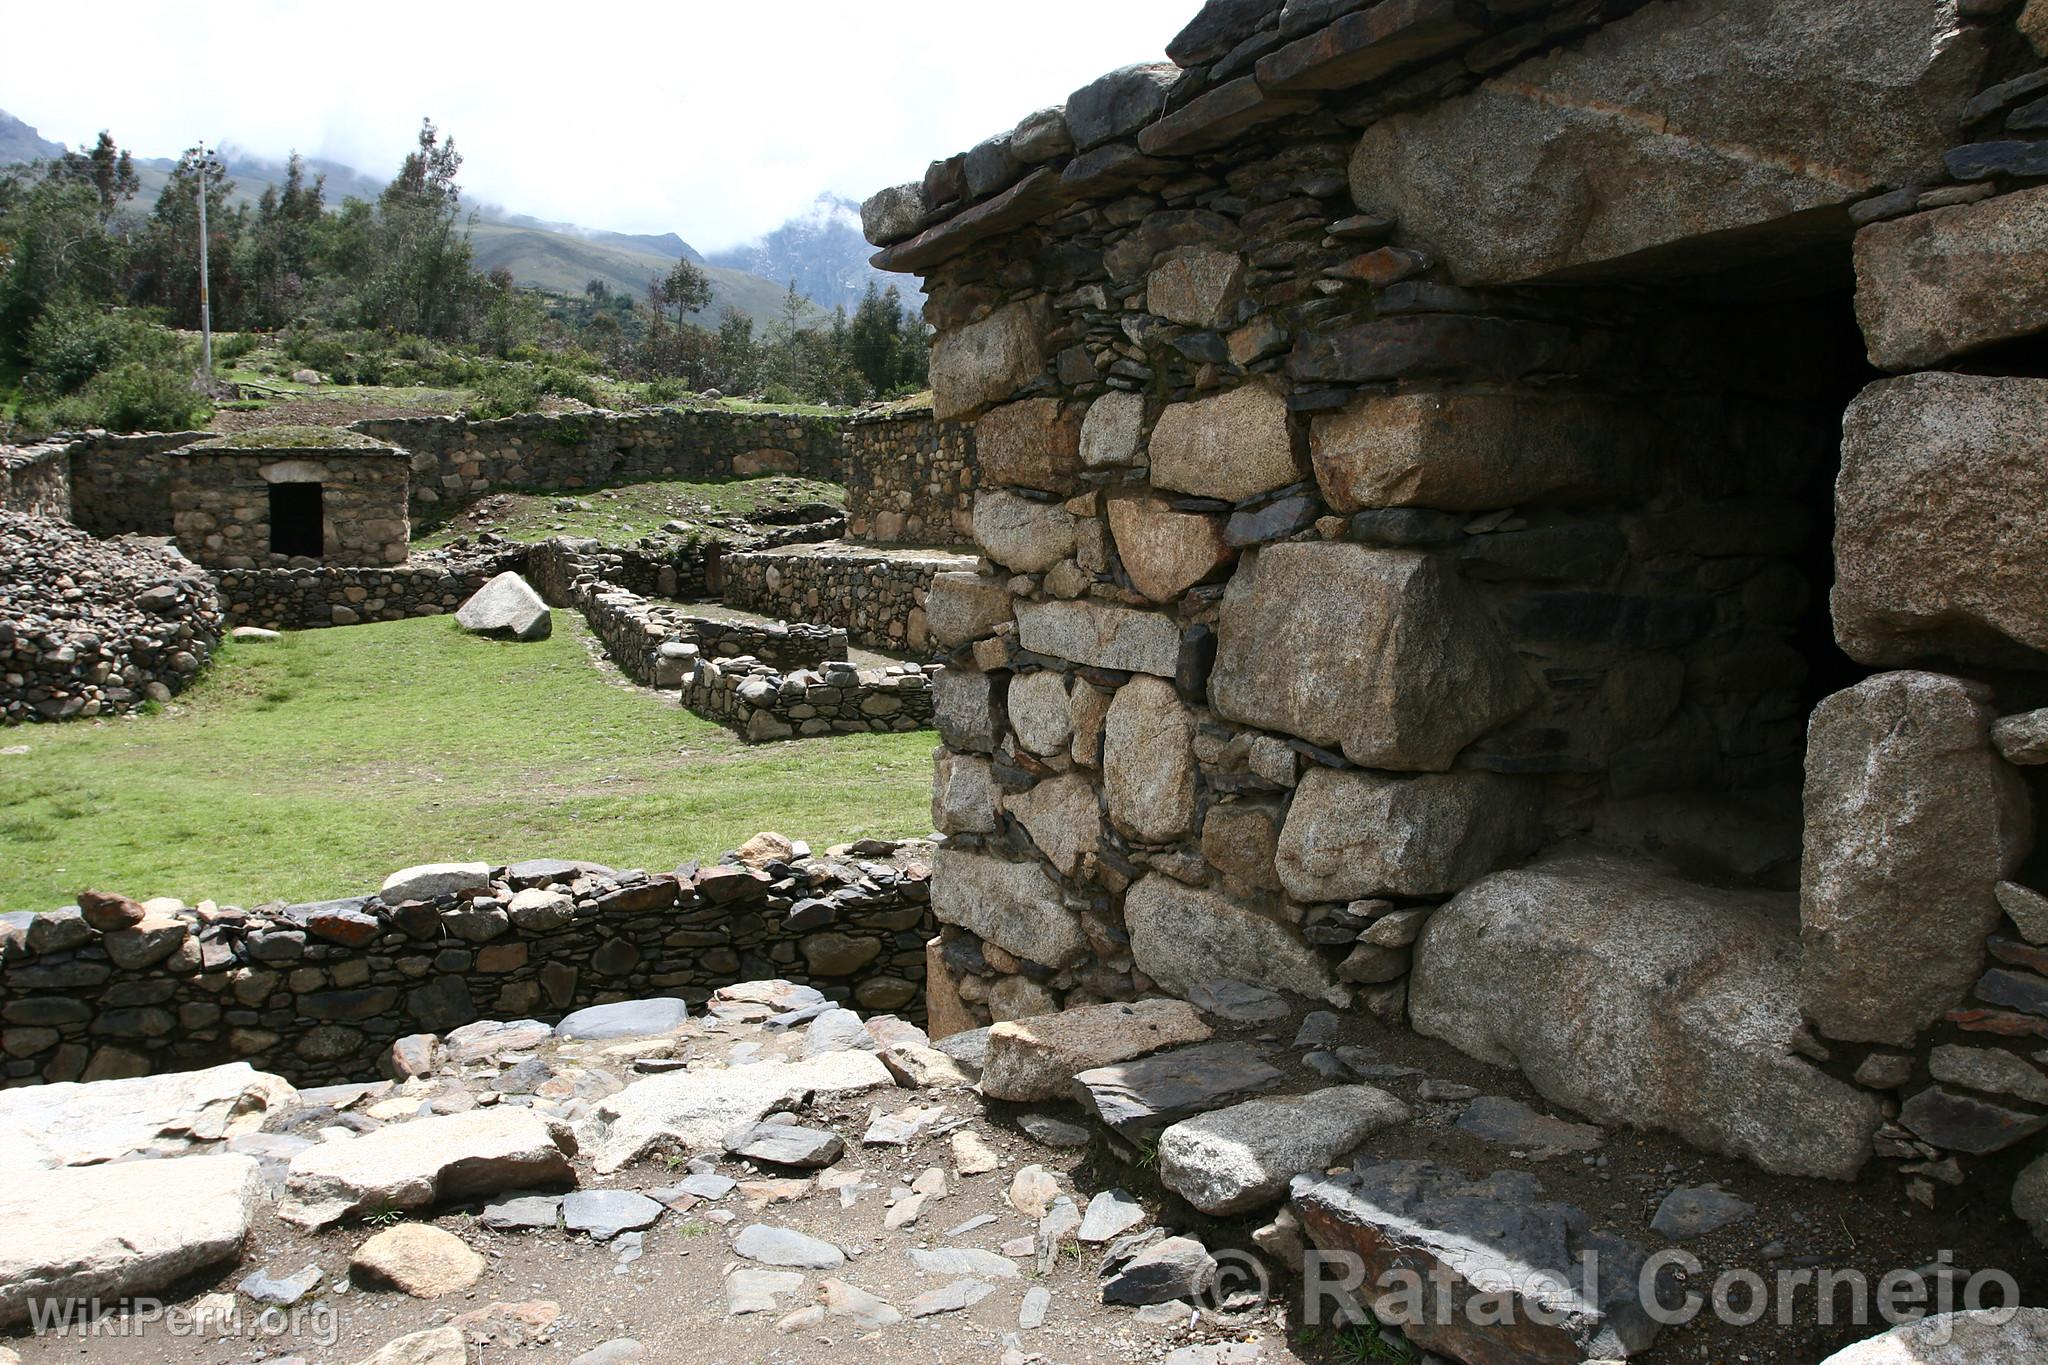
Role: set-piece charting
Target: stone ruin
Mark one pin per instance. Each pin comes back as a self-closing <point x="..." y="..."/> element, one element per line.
<point x="1525" y="519"/>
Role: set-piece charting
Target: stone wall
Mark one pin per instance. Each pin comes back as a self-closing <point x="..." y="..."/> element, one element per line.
<point x="455" y="459"/>
<point x="1407" y="439"/>
<point x="318" y="992"/>
<point x="121" y="484"/>
<point x="310" y="598"/>
<point x="910" y="479"/>
<point x="221" y="503"/>
<point x="36" y="480"/>
<point x="876" y="595"/>
<point x="91" y="627"/>
<point x="764" y="703"/>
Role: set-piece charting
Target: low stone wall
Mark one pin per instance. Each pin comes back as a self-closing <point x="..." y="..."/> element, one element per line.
<point x="764" y="704"/>
<point x="122" y="484"/>
<point x="91" y="627"/>
<point x="306" y="599"/>
<point x="36" y="480"/>
<point x="318" y="992"/>
<point x="877" y="596"/>
<point x="910" y="479"/>
<point x="454" y="458"/>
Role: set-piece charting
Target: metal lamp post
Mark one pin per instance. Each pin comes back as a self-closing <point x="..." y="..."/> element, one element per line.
<point x="205" y="305"/>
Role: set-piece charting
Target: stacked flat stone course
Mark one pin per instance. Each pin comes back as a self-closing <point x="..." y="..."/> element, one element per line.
<point x="93" y="628"/>
<point x="764" y="703"/>
<point x="876" y="594"/>
<point x="909" y="479"/>
<point x="454" y="458"/>
<point x="36" y="480"/>
<point x="318" y="992"/>
<point x="1408" y="437"/>
<point x="311" y="598"/>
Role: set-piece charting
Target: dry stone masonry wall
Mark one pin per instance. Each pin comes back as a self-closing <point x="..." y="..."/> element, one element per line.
<point x="909" y="479"/>
<point x="36" y="480"/>
<point x="1426" y="571"/>
<point x="454" y="458"/>
<point x="222" y="510"/>
<point x="331" y="595"/>
<point x="876" y="594"/>
<point x="318" y="992"/>
<point x="91" y="627"/>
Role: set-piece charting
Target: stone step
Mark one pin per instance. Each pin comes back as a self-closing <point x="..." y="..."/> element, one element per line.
<point x="1636" y="998"/>
<point x="1142" y="1097"/>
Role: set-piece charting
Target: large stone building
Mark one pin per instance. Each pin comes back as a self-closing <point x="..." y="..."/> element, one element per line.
<point x="1526" y="518"/>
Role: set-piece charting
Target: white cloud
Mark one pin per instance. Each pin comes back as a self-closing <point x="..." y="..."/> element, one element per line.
<point x="716" y="121"/>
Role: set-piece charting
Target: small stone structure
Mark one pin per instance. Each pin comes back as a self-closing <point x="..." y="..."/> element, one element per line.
<point x="1429" y="569"/>
<point x="36" y="480"/>
<point x="909" y="478"/>
<point x="290" y="497"/>
<point x="876" y="594"/>
<point x="318" y="992"/>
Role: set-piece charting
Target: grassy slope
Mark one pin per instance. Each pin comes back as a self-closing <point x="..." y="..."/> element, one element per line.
<point x="317" y="765"/>
<point x="630" y="510"/>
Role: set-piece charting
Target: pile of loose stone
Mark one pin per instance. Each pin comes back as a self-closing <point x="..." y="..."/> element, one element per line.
<point x="90" y="627"/>
<point x="781" y="1169"/>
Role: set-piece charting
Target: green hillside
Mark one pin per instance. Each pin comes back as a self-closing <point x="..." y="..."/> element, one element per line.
<point x="564" y="263"/>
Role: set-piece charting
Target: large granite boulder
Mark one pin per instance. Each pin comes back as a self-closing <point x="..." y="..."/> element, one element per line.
<point x="1965" y="574"/>
<point x="1233" y="446"/>
<point x="1933" y="286"/>
<point x="963" y="793"/>
<point x="1036" y="1058"/>
<point x="967" y="707"/>
<point x="1020" y="534"/>
<point x="1063" y="817"/>
<point x="1183" y="936"/>
<point x="987" y="361"/>
<point x="961" y="606"/>
<point x="506" y="606"/>
<point x="1351" y="835"/>
<point x="1639" y="999"/>
<point x="1101" y="636"/>
<point x="129" y="1229"/>
<point x="1505" y="1276"/>
<point x="1148" y="762"/>
<point x="1912" y="821"/>
<point x="1981" y="1336"/>
<point x="1035" y="443"/>
<point x="1387" y="656"/>
<point x="1164" y="550"/>
<point x="1473" y="451"/>
<point x="1644" y="135"/>
<point x="174" y="1114"/>
<point x="1016" y="906"/>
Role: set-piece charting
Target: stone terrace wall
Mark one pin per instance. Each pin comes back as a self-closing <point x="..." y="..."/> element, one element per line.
<point x="318" y="992"/>
<point x="877" y="596"/>
<point x="910" y="479"/>
<point x="307" y="599"/>
<point x="1377" y="499"/>
<point x="763" y="703"/>
<point x="36" y="480"/>
<point x="454" y="458"/>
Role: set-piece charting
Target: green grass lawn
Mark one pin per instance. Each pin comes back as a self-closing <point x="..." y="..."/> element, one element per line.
<point x="317" y="765"/>
<point x="623" y="513"/>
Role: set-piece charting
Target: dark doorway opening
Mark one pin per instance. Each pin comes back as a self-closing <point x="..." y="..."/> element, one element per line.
<point x="295" y="520"/>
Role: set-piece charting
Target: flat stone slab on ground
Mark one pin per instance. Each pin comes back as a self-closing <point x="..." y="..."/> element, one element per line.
<point x="412" y="1165"/>
<point x="1235" y="1159"/>
<point x="787" y="1247"/>
<point x="1697" y="1212"/>
<point x="127" y="1229"/>
<point x="696" y="1109"/>
<point x="1141" y="1096"/>
<point x="169" y="1115"/>
<point x="788" y="1144"/>
<point x="417" y="1259"/>
<point x="1034" y="1059"/>
<point x="1973" y="1338"/>
<point x="1490" y="1237"/>
<point x="1510" y="1123"/>
<point x="528" y="1213"/>
<point x="603" y="1214"/>
<point x="625" y="1019"/>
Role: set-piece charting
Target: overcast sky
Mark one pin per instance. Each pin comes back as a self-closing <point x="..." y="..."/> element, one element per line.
<point x="714" y="120"/>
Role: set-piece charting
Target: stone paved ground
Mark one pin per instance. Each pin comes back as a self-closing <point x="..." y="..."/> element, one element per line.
<point x="888" y="1213"/>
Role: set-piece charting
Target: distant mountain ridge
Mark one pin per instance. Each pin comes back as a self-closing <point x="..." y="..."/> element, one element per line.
<point x="823" y="251"/>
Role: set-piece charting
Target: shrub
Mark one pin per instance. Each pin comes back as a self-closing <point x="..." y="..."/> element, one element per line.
<point x="513" y="389"/>
<point x="132" y="396"/>
<point x="233" y="346"/>
<point x="666" y="390"/>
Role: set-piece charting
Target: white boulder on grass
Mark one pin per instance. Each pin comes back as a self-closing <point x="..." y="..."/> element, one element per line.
<point x="506" y="606"/>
